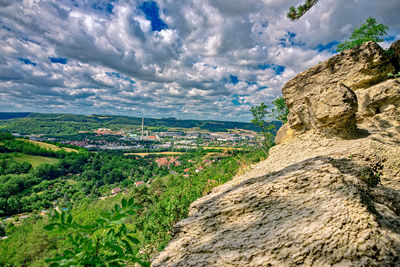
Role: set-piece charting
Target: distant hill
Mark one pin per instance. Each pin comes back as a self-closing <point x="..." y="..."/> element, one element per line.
<point x="38" y="123"/>
<point x="13" y="115"/>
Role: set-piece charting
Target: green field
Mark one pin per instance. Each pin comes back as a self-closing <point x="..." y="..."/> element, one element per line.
<point x="35" y="160"/>
<point x="49" y="146"/>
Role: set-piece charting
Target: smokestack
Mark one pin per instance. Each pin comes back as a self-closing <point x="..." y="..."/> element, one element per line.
<point x="142" y="127"/>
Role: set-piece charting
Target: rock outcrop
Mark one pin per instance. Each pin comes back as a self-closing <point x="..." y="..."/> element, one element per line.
<point x="284" y="134"/>
<point x="323" y="97"/>
<point x="328" y="195"/>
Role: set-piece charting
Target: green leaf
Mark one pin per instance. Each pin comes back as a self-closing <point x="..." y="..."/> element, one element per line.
<point x="130" y="212"/>
<point x="56" y="215"/>
<point x="105" y="214"/>
<point x="111" y="257"/>
<point x="124" y="203"/>
<point x="101" y="221"/>
<point x="69" y="218"/>
<point x="59" y="258"/>
<point x="63" y="215"/>
<point x="118" y="217"/>
<point x="124" y="229"/>
<point x="131" y="201"/>
<point x="114" y="264"/>
<point x="117" y="249"/>
<point x="117" y="208"/>
<point x="50" y="227"/>
<point x="144" y="263"/>
<point x="127" y="246"/>
<point x="136" y="206"/>
<point x="134" y="240"/>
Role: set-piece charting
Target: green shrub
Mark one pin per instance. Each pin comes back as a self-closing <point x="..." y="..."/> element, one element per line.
<point x="369" y="31"/>
<point x="104" y="242"/>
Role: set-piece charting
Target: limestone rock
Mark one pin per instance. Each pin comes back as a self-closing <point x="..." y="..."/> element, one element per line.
<point x="315" y="201"/>
<point x="284" y="134"/>
<point x="320" y="95"/>
<point x="383" y="97"/>
<point x="379" y="108"/>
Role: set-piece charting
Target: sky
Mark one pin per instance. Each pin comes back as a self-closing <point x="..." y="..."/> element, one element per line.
<point x="188" y="59"/>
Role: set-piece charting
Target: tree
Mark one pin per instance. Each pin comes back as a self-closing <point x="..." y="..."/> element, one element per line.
<point x="296" y="13"/>
<point x="262" y="112"/>
<point x="280" y="110"/>
<point x="369" y="31"/>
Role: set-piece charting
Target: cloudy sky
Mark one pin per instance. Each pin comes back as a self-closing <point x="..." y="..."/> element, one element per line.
<point x="200" y="59"/>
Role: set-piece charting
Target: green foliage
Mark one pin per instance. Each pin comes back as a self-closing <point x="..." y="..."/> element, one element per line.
<point x="369" y="31"/>
<point x="262" y="112"/>
<point x="15" y="145"/>
<point x="5" y="136"/>
<point x="8" y="165"/>
<point x="391" y="75"/>
<point x="104" y="242"/>
<point x="280" y="109"/>
<point x="2" y="228"/>
<point x="162" y="203"/>
<point x="296" y="13"/>
<point x="20" y="184"/>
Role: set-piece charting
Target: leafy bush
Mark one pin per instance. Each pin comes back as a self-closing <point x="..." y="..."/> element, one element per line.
<point x="280" y="110"/>
<point x="369" y="31"/>
<point x="104" y="242"/>
<point x="262" y="112"/>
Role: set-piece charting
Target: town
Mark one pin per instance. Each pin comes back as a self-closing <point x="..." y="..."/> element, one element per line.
<point x="140" y="139"/>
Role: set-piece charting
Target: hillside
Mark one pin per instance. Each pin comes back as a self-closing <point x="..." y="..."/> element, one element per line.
<point x="36" y="123"/>
<point x="49" y="146"/>
<point x="329" y="192"/>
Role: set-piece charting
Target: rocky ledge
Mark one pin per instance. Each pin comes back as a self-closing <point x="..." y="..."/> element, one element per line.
<point x="329" y="192"/>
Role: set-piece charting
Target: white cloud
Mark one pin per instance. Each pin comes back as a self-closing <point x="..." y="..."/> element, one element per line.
<point x="116" y="64"/>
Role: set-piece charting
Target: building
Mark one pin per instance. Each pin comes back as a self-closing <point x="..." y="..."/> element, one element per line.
<point x="138" y="183"/>
<point x="115" y="191"/>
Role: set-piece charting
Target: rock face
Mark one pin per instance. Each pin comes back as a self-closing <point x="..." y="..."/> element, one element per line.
<point x="381" y="98"/>
<point x="284" y="134"/>
<point x="319" y="199"/>
<point x="319" y="96"/>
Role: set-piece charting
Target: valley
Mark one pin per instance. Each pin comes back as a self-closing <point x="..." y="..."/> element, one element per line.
<point x="42" y="172"/>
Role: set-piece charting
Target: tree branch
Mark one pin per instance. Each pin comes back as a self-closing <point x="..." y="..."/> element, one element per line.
<point x="296" y="13"/>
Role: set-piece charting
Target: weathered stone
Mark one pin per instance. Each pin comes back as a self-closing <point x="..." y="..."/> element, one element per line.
<point x="314" y="202"/>
<point x="284" y="134"/>
<point x="383" y="97"/>
<point x="320" y="95"/>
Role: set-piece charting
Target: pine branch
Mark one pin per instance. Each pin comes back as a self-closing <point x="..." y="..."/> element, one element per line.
<point x="296" y="13"/>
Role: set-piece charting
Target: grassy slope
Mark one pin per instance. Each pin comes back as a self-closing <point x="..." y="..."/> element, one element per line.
<point x="35" y="160"/>
<point x="50" y="146"/>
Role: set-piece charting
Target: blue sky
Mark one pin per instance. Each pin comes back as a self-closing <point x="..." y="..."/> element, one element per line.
<point x="198" y="59"/>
